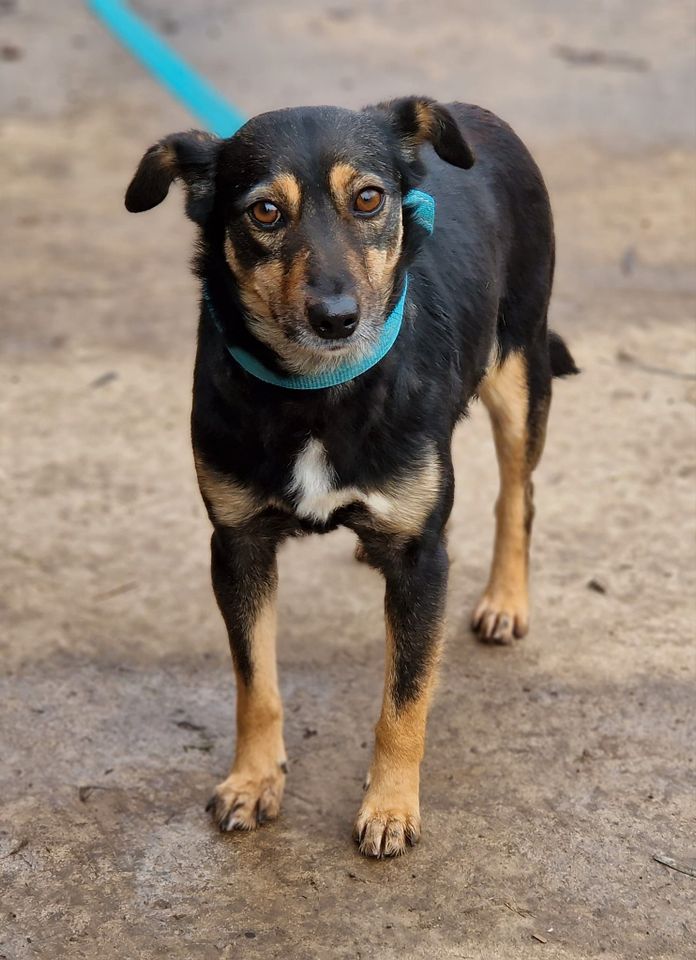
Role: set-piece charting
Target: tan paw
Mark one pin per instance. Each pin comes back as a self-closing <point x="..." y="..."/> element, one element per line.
<point x="244" y="801"/>
<point x="385" y="832"/>
<point x="501" y="616"/>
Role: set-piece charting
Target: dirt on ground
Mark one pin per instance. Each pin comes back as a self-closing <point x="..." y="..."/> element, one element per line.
<point x="557" y="769"/>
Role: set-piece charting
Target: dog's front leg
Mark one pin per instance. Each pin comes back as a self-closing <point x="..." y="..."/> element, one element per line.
<point x="416" y="583"/>
<point x="245" y="578"/>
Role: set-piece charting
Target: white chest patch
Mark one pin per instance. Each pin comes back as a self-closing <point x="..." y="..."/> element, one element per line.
<point x="401" y="506"/>
<point x="313" y="484"/>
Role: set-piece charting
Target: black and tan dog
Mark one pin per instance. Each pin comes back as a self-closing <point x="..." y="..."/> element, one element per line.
<point x="305" y="417"/>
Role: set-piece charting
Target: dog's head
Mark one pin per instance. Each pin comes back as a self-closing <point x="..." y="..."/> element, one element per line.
<point x="307" y="206"/>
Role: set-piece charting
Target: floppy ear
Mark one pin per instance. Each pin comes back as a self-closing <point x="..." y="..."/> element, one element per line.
<point x="416" y="120"/>
<point x="190" y="157"/>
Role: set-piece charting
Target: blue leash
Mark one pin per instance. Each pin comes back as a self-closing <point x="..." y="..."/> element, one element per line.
<point x="171" y="71"/>
<point x="206" y="103"/>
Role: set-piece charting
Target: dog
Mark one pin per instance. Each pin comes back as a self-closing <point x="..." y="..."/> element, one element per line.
<point x="339" y="343"/>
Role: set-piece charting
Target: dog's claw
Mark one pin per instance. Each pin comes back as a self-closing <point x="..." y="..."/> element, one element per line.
<point x="233" y="823"/>
<point x="385" y="835"/>
<point x="244" y="803"/>
<point x="500" y="619"/>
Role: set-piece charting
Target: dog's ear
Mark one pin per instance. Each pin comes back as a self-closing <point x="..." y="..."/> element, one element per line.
<point x="190" y="157"/>
<point x="417" y="120"/>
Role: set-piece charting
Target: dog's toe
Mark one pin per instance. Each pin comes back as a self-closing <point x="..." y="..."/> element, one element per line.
<point x="381" y="834"/>
<point x="244" y="802"/>
<point x="500" y="618"/>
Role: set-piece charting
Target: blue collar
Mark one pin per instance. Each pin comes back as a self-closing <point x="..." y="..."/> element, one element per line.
<point x="422" y="207"/>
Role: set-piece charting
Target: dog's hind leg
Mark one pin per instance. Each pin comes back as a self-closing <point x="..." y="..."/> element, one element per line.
<point x="517" y="394"/>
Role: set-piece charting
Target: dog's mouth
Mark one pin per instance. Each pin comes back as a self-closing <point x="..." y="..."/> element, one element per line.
<point x="303" y="336"/>
<point x="319" y="348"/>
<point x="301" y="350"/>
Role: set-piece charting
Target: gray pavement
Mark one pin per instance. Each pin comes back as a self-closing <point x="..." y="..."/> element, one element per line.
<point x="556" y="769"/>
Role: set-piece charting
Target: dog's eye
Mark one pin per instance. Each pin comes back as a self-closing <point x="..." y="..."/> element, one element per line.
<point x="265" y="213"/>
<point x="369" y="201"/>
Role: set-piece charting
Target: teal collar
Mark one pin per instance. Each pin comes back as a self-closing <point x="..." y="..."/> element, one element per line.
<point x="422" y="207"/>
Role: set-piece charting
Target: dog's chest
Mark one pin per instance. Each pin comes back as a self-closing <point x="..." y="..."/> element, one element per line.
<point x="314" y="487"/>
<point x="399" y="504"/>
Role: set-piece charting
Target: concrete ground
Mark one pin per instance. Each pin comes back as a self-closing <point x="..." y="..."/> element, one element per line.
<point x="556" y="769"/>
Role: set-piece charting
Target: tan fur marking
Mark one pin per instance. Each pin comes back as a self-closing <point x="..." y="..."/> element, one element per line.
<point x="260" y="289"/>
<point x="233" y="261"/>
<point x="285" y="189"/>
<point x="167" y="158"/>
<point x="261" y="292"/>
<point x="372" y="270"/>
<point x="380" y="263"/>
<point x="341" y="178"/>
<point x="377" y="261"/>
<point x="230" y="501"/>
<point x="265" y="283"/>
<point x="294" y="283"/>
<point x="503" y="610"/>
<point x="426" y="120"/>
<point x="403" y="506"/>
<point x="389" y="817"/>
<point x="257" y="778"/>
<point x="259" y="709"/>
<point x="368" y="273"/>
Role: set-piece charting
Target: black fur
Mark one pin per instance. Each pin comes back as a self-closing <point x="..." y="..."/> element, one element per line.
<point x="403" y="116"/>
<point x="243" y="567"/>
<point x="562" y="363"/>
<point x="190" y="157"/>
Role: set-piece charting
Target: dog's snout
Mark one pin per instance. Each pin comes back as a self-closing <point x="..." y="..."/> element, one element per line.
<point x="333" y="318"/>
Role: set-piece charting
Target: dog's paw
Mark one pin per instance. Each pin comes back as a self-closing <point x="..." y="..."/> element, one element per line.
<point x="501" y="616"/>
<point x="386" y="831"/>
<point x="243" y="802"/>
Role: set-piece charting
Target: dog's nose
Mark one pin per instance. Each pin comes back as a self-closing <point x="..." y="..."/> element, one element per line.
<point x="333" y="318"/>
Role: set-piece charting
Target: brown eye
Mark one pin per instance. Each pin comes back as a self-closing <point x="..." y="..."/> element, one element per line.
<point x="265" y="213"/>
<point x="368" y="201"/>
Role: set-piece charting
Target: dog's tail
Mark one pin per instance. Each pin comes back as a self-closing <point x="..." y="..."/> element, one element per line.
<point x="562" y="363"/>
